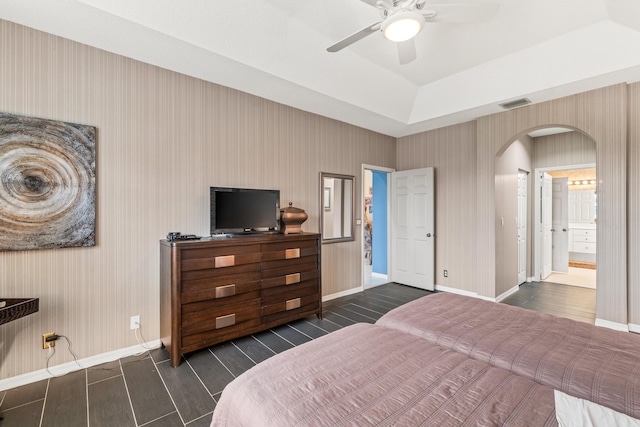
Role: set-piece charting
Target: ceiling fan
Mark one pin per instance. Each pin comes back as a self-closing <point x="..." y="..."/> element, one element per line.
<point x="402" y="20"/>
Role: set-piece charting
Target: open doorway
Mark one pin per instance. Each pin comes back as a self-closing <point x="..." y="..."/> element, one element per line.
<point x="579" y="254"/>
<point x="375" y="225"/>
<point x="565" y="207"/>
<point x="552" y="151"/>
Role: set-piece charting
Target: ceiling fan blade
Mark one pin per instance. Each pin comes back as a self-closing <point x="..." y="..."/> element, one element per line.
<point x="407" y="51"/>
<point x="371" y="2"/>
<point x="355" y="37"/>
<point x="407" y="4"/>
<point x="461" y="13"/>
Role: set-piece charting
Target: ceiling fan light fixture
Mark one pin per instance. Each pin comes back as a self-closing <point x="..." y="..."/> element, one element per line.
<point x="402" y="25"/>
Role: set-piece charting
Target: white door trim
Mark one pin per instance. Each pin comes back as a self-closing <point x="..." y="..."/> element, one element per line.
<point x="359" y="221"/>
<point x="537" y="250"/>
<point x="523" y="220"/>
<point x="560" y="221"/>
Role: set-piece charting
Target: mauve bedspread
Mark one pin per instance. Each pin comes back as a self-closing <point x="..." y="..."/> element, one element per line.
<point x="367" y="375"/>
<point x="583" y="360"/>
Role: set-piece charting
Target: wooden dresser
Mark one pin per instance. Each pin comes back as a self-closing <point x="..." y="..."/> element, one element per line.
<point x="223" y="288"/>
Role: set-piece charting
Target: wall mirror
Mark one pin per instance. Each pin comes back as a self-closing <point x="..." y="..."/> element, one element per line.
<point x="336" y="207"/>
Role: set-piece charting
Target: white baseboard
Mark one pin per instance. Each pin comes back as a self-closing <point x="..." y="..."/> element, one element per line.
<point x="531" y="279"/>
<point x="634" y="328"/>
<point x="65" y="368"/>
<point x="456" y="291"/>
<point x="380" y="276"/>
<point x="506" y="294"/>
<point x="475" y="294"/>
<point x="342" y="294"/>
<point x="485" y="298"/>
<point x="612" y="325"/>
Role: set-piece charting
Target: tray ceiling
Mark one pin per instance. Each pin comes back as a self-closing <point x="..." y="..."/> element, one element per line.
<point x="276" y="49"/>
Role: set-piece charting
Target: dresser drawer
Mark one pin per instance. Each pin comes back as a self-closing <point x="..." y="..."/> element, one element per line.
<point x="223" y="288"/>
<point x="278" y="268"/>
<point x="584" y="239"/>
<point x="275" y="299"/>
<point x="291" y="278"/>
<point x="208" y="316"/>
<point x="210" y="336"/>
<point x="289" y="250"/>
<point x="587" y="248"/>
<point x="281" y="304"/>
<point x="581" y="232"/>
<point x="224" y="259"/>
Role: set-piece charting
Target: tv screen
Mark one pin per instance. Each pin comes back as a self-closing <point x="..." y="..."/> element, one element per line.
<point x="243" y="210"/>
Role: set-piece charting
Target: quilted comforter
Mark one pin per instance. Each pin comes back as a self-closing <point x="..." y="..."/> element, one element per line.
<point x="593" y="363"/>
<point x="367" y="375"/>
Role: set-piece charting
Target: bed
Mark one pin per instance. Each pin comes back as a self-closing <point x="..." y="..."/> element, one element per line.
<point x="367" y="375"/>
<point x="582" y="360"/>
<point x="446" y="360"/>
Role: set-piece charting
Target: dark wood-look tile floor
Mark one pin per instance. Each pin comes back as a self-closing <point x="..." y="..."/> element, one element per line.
<point x="567" y="301"/>
<point x="146" y="391"/>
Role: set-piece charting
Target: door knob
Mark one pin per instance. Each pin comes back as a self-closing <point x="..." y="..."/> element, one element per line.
<point x="428" y="234"/>
<point x="564" y="229"/>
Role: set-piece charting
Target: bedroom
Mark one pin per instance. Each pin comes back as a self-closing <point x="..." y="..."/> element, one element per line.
<point x="172" y="135"/>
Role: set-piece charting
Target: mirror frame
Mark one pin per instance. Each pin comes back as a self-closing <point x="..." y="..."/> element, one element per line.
<point x="342" y="238"/>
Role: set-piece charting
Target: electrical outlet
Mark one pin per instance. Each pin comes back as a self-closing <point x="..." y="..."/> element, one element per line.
<point x="446" y="273"/>
<point x="45" y="344"/>
<point x="135" y="322"/>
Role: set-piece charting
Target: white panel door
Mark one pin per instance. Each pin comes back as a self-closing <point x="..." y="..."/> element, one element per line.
<point x="581" y="206"/>
<point x="560" y="229"/>
<point x="412" y="228"/>
<point x="547" y="225"/>
<point x="522" y="227"/>
<point x="574" y="207"/>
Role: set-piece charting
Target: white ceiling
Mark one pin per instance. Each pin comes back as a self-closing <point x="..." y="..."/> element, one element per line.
<point x="276" y="49"/>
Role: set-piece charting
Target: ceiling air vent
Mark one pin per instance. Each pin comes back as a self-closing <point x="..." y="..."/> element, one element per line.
<point x="516" y="103"/>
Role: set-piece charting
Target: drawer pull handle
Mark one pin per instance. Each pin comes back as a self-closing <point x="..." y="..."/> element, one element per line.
<point x="293" y="304"/>
<point x="225" y="291"/>
<point x="225" y="261"/>
<point x="290" y="279"/>
<point x="292" y="253"/>
<point x="224" y="321"/>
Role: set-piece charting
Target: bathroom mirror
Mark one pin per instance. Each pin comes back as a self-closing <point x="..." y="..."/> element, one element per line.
<point x="336" y="207"/>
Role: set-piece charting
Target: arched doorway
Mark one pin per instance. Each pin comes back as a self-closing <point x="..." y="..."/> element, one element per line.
<point x="604" y="122"/>
<point x="533" y="226"/>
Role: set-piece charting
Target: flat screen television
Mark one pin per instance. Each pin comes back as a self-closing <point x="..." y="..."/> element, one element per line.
<point x="244" y="210"/>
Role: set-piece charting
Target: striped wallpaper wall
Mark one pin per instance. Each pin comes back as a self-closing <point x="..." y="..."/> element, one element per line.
<point x="162" y="139"/>
<point x="519" y="156"/>
<point x="633" y="219"/>
<point x="451" y="151"/>
<point x="602" y="115"/>
<point x="562" y="149"/>
<point x="465" y="188"/>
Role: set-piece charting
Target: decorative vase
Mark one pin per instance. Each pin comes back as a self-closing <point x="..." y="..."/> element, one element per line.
<point x="291" y="219"/>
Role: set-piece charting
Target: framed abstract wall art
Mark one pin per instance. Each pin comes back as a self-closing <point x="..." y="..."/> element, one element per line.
<point x="47" y="184"/>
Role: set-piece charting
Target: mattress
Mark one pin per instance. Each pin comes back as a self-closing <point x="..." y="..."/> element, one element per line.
<point x="367" y="375"/>
<point x="582" y="360"/>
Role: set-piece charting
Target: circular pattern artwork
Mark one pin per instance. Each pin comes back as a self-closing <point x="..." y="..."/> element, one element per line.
<point x="47" y="183"/>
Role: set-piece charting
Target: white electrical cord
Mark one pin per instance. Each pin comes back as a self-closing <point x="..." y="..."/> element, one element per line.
<point x="52" y="351"/>
<point x="141" y="343"/>
<point x="75" y="356"/>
